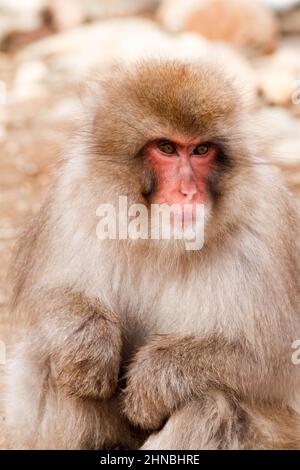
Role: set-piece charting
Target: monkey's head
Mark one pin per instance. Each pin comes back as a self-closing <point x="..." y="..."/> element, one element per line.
<point x="165" y="132"/>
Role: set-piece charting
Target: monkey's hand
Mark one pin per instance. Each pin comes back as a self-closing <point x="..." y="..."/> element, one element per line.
<point x="85" y="347"/>
<point x="171" y="370"/>
<point x="156" y="381"/>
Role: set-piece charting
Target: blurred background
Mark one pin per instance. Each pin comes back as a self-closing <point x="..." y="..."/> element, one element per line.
<point x="49" y="47"/>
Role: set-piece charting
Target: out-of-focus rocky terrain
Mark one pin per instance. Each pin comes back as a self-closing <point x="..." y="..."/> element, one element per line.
<point x="48" y="48"/>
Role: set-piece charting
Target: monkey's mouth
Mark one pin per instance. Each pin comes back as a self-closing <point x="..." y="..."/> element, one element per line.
<point x="178" y="217"/>
<point x="187" y="215"/>
<point x="184" y="210"/>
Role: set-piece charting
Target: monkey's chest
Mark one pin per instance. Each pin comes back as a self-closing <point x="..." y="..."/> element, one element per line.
<point x="206" y="301"/>
<point x="170" y="309"/>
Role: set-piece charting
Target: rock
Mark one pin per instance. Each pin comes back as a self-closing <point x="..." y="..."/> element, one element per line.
<point x="20" y="15"/>
<point x="281" y="5"/>
<point x="22" y="7"/>
<point x="70" y="57"/>
<point x="282" y="132"/>
<point x="102" y="9"/>
<point x="288" y="14"/>
<point x="20" y="22"/>
<point x="29" y="81"/>
<point x="7" y="233"/>
<point x="276" y="89"/>
<point x="16" y="39"/>
<point x="3" y="102"/>
<point x="4" y="298"/>
<point x="11" y="23"/>
<point x="173" y="14"/>
<point x="65" y="15"/>
<point x="277" y="76"/>
<point x="65" y="110"/>
<point x="3" y="130"/>
<point x="290" y="21"/>
<point x="77" y="51"/>
<point x="246" y="24"/>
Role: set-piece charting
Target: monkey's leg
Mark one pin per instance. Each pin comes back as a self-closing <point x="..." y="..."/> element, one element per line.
<point x="220" y="422"/>
<point x="40" y="415"/>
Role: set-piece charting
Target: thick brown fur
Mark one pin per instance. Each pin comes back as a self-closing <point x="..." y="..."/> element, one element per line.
<point x="219" y="422"/>
<point x="205" y="337"/>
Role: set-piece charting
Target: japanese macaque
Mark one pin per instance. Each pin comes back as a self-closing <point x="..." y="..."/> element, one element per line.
<point x="122" y="343"/>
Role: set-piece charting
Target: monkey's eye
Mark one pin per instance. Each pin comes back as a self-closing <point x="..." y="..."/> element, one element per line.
<point x="201" y="149"/>
<point x="167" y="147"/>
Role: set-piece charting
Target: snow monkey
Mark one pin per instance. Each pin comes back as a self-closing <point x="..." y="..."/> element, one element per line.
<point x="128" y="343"/>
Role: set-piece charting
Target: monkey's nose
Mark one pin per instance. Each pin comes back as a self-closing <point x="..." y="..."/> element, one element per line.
<point x="188" y="189"/>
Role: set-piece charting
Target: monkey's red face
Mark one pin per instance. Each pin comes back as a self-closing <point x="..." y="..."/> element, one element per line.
<point x="180" y="171"/>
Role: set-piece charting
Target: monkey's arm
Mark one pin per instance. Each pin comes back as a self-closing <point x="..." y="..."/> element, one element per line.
<point x="171" y="370"/>
<point x="81" y="340"/>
